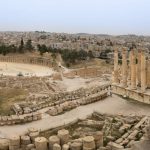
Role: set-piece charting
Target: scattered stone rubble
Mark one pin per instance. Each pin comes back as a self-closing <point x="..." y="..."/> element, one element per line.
<point x="28" y="110"/>
<point x="67" y="105"/>
<point x="101" y="132"/>
<point x="19" y="119"/>
<point x="59" y="101"/>
<point x="30" y="84"/>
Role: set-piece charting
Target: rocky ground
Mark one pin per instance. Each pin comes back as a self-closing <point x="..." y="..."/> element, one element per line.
<point x="119" y="129"/>
<point x="112" y="105"/>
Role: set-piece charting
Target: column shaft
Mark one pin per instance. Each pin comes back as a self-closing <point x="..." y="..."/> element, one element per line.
<point x="143" y="72"/>
<point x="139" y="68"/>
<point x="116" y="66"/>
<point x="133" y="70"/>
<point x="124" y="67"/>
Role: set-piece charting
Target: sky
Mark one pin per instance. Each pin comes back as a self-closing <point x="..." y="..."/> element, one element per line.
<point x="113" y="17"/>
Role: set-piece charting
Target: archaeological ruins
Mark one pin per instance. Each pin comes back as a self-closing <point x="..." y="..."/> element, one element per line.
<point x="28" y="60"/>
<point x="30" y="122"/>
<point x="132" y="78"/>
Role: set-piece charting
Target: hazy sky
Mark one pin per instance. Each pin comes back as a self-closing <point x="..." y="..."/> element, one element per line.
<point x="92" y="16"/>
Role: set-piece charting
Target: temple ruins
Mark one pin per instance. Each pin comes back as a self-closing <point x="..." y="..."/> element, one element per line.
<point x="131" y="79"/>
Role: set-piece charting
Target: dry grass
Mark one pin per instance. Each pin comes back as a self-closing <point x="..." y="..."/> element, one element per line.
<point x="95" y="63"/>
<point x="8" y="97"/>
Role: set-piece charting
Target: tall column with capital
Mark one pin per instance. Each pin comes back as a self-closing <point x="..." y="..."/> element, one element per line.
<point x="116" y="80"/>
<point x="129" y="71"/>
<point x="139" y="68"/>
<point x="133" y="69"/>
<point x="143" y="71"/>
<point x="124" y="67"/>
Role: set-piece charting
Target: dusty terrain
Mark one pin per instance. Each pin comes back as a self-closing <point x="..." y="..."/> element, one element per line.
<point x="12" y="69"/>
<point x="8" y="98"/>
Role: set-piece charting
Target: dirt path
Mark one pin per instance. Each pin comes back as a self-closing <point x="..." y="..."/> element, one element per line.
<point x="111" y="105"/>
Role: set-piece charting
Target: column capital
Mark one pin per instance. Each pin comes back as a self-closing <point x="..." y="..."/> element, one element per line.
<point x="143" y="51"/>
<point x="116" y="49"/>
<point x="124" y="50"/>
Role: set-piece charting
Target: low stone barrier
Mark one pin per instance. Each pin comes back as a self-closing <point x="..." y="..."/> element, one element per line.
<point x="87" y="95"/>
<point x="19" y="119"/>
<point x="60" y="108"/>
<point x="57" y="104"/>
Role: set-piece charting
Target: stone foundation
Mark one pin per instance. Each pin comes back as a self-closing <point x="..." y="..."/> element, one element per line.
<point x="132" y="94"/>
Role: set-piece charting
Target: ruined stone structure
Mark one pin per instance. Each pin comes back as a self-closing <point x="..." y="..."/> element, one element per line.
<point x="28" y="110"/>
<point x="132" y="79"/>
<point x="125" y="133"/>
<point x="27" y="60"/>
<point x="19" y="119"/>
<point x="87" y="72"/>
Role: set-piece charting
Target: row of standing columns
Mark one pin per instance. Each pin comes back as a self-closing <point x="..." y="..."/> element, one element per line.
<point x="29" y="60"/>
<point x="136" y="74"/>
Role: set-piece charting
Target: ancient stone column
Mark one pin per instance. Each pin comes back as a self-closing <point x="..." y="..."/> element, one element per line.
<point x="25" y="140"/>
<point x="116" y="81"/>
<point x="139" y="68"/>
<point x="98" y="138"/>
<point x="14" y="142"/>
<point x="133" y="69"/>
<point x="4" y="144"/>
<point x="53" y="140"/>
<point x="64" y="136"/>
<point x="88" y="143"/>
<point x="124" y="67"/>
<point x="32" y="129"/>
<point x="143" y="71"/>
<point x="76" y="146"/>
<point x="129" y="71"/>
<point x="56" y="147"/>
<point x="41" y="143"/>
<point x="33" y="135"/>
<point x="65" y="147"/>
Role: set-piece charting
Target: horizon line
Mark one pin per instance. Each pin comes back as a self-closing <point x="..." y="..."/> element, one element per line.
<point x="88" y="33"/>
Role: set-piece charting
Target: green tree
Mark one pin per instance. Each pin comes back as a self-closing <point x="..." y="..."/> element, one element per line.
<point x="42" y="48"/>
<point x="28" y="45"/>
<point x="21" y="46"/>
<point x="82" y="55"/>
<point x="90" y="54"/>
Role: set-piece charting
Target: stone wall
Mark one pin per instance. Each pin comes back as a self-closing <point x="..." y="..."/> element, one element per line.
<point x="82" y="95"/>
<point x="132" y="94"/>
<point x="68" y="105"/>
<point x="19" y="119"/>
<point x="55" y="104"/>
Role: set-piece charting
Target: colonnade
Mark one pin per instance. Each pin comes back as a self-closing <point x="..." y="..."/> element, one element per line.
<point x="133" y="74"/>
<point x="28" y="60"/>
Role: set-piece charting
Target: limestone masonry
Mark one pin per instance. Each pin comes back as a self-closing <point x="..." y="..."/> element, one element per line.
<point x="131" y="79"/>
